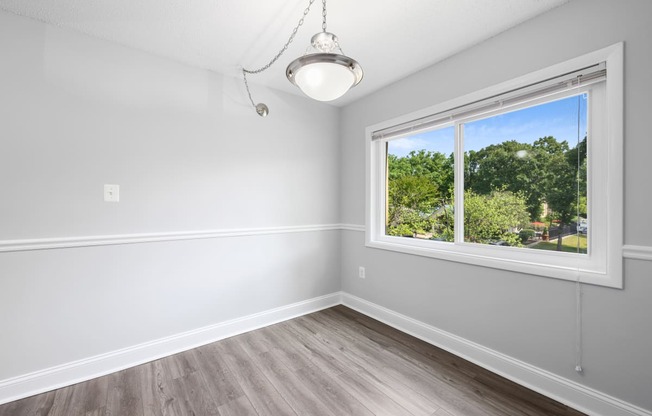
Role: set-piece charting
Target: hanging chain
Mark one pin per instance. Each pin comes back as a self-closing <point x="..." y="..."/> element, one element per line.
<point x="323" y="14"/>
<point x="323" y="25"/>
<point x="290" y="39"/>
<point x="283" y="49"/>
<point x="244" y="75"/>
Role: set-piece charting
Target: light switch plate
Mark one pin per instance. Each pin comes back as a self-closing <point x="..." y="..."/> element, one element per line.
<point x="112" y="193"/>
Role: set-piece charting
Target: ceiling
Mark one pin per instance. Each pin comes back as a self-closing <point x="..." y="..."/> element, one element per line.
<point x="390" y="39"/>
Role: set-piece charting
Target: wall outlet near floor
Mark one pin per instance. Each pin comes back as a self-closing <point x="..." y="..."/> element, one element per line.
<point x="111" y="193"/>
<point x="361" y="272"/>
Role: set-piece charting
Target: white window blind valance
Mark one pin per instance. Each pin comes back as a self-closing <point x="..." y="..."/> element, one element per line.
<point x="585" y="76"/>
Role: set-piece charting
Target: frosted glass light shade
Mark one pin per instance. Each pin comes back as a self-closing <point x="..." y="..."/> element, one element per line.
<point x="324" y="76"/>
<point x="324" y="81"/>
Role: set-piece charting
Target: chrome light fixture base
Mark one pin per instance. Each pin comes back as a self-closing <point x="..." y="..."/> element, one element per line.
<point x="327" y="74"/>
<point x="329" y="58"/>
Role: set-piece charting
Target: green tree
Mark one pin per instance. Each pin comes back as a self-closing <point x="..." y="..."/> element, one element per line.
<point x="494" y="217"/>
<point x="410" y="195"/>
<point x="565" y="174"/>
<point x="510" y="165"/>
<point x="420" y="194"/>
<point x="506" y="185"/>
<point x="577" y="157"/>
<point x="412" y="201"/>
<point x="434" y="166"/>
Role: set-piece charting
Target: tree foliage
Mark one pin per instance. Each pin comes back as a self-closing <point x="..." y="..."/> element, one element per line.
<point x="506" y="186"/>
<point x="410" y="199"/>
<point x="420" y="189"/>
<point x="510" y="165"/>
<point x="494" y="217"/>
<point x="566" y="172"/>
<point x="434" y="166"/>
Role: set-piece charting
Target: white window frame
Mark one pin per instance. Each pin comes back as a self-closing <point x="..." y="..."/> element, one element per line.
<point x="603" y="264"/>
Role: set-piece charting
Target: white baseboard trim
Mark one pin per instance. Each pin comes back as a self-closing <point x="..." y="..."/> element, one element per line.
<point x="572" y="394"/>
<point x="71" y="373"/>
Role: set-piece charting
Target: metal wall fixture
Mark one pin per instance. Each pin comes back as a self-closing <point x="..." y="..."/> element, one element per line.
<point x="323" y="73"/>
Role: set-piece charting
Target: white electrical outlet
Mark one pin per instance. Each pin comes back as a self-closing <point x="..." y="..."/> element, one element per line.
<point x="361" y="272"/>
<point x="112" y="193"/>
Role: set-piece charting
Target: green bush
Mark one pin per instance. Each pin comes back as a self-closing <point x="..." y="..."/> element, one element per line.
<point x="512" y="239"/>
<point x="525" y="235"/>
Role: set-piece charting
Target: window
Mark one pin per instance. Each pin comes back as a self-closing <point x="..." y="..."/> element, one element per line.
<point x="524" y="176"/>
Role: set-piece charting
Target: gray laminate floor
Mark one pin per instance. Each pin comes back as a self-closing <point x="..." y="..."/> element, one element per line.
<point x="333" y="362"/>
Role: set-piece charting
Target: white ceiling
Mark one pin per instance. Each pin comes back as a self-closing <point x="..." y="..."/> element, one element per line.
<point x="390" y="39"/>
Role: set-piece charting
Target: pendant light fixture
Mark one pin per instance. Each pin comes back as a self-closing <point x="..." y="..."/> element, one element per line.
<point x="324" y="73"/>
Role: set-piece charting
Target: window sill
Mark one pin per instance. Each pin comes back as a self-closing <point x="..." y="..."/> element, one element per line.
<point x="488" y="256"/>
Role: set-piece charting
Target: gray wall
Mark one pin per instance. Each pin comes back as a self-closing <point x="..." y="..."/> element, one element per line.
<point x="527" y="317"/>
<point x="190" y="155"/>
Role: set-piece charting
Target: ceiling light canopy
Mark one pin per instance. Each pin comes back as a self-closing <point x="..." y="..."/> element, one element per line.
<point x="323" y="73"/>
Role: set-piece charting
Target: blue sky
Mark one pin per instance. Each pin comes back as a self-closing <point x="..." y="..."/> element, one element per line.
<point x="556" y="118"/>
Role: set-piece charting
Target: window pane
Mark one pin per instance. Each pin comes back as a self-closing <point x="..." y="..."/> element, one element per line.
<point x="525" y="177"/>
<point x="420" y="186"/>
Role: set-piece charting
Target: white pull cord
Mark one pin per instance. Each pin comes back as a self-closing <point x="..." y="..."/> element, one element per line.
<point x="578" y="284"/>
<point x="578" y="325"/>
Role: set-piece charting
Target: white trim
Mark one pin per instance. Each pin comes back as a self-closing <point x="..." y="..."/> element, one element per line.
<point x="352" y="227"/>
<point x="603" y="264"/>
<point x="565" y="391"/>
<point x="637" y="252"/>
<point x="629" y="251"/>
<point x="71" y="373"/>
<point x="616" y="165"/>
<point x="106" y="240"/>
<point x="489" y="256"/>
<point x="551" y="385"/>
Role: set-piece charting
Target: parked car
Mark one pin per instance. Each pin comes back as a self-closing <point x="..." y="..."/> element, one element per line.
<point x="583" y="227"/>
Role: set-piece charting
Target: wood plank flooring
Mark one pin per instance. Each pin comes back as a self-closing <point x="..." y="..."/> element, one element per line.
<point x="334" y="362"/>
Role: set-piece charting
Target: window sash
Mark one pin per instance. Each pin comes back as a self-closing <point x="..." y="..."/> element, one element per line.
<point x="459" y="176"/>
<point x="531" y="102"/>
<point x="567" y="265"/>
